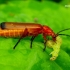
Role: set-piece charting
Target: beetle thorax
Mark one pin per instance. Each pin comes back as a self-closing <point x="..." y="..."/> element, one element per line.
<point x="48" y="31"/>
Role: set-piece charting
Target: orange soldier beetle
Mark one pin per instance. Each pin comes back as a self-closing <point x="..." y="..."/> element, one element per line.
<point x="14" y="29"/>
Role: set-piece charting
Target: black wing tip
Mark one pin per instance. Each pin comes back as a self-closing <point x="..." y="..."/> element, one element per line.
<point x="2" y="25"/>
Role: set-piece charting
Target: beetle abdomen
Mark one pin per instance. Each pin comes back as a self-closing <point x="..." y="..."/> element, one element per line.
<point x="11" y="33"/>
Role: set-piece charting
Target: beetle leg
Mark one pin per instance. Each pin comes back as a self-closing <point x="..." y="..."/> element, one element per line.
<point x="45" y="40"/>
<point x="33" y="37"/>
<point x="22" y="36"/>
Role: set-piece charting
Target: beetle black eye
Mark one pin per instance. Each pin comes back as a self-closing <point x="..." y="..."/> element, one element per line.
<point x="54" y="37"/>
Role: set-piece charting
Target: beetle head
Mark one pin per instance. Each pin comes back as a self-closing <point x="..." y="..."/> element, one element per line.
<point x="49" y="32"/>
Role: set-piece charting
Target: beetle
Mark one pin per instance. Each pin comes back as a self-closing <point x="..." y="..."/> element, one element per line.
<point x="15" y="29"/>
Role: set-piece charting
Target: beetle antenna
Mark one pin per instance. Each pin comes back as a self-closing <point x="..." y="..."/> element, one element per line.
<point x="63" y="34"/>
<point x="63" y="30"/>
